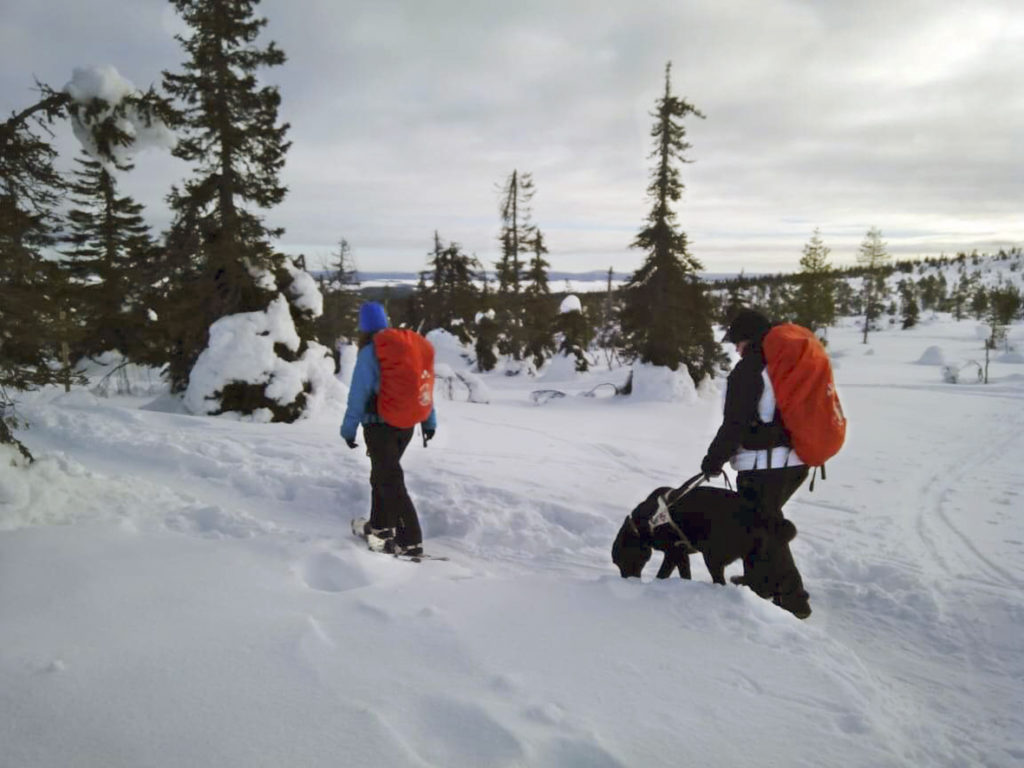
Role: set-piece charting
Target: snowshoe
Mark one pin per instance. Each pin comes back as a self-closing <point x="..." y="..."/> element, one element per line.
<point x="383" y="540"/>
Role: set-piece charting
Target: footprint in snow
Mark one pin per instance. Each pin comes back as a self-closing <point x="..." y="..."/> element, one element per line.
<point x="327" y="572"/>
<point x="452" y="732"/>
<point x="575" y="753"/>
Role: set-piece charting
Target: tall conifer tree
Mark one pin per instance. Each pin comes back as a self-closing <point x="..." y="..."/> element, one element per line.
<point x="109" y="259"/>
<point x="909" y="310"/>
<point x="30" y="289"/>
<point x="516" y="236"/>
<point x="874" y="259"/>
<point x="815" y="305"/>
<point x="450" y="299"/>
<point x="35" y="318"/>
<point x="666" y="314"/>
<point x="538" y="306"/>
<point x="219" y="249"/>
<point x="339" y="286"/>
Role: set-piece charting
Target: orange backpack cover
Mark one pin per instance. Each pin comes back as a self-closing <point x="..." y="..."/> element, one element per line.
<point x="406" y="360"/>
<point x="805" y="392"/>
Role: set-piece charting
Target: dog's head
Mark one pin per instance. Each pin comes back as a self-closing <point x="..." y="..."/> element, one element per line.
<point x="630" y="552"/>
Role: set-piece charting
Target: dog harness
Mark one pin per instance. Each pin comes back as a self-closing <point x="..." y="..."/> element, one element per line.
<point x="662" y="515"/>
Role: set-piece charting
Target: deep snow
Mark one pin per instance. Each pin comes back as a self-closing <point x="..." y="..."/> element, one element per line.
<point x="181" y="590"/>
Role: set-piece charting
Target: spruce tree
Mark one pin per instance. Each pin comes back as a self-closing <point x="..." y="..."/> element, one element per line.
<point x="30" y="285"/>
<point x="339" y="286"/>
<point x="609" y="336"/>
<point x="574" y="332"/>
<point x="219" y="250"/>
<point x="517" y="234"/>
<point x="37" y="324"/>
<point x="734" y="299"/>
<point x="874" y="260"/>
<point x="486" y="341"/>
<point x="539" y="310"/>
<point x="231" y="137"/>
<point x="666" y="314"/>
<point x="961" y="294"/>
<point x="908" y="304"/>
<point x="109" y="260"/>
<point x="450" y="298"/>
<point x="815" y="304"/>
<point x="1004" y="304"/>
<point x="979" y="302"/>
<point x="485" y="329"/>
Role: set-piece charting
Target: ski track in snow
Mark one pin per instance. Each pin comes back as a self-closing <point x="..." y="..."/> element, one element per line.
<point x="961" y="603"/>
<point x="912" y="657"/>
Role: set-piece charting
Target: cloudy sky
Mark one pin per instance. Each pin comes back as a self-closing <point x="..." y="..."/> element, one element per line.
<point x="407" y="115"/>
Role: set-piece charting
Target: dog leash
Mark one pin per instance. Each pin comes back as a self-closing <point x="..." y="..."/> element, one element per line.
<point x="671" y="497"/>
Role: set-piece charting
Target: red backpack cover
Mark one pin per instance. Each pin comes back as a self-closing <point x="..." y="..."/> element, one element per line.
<point x="406" y="360"/>
<point x="805" y="392"/>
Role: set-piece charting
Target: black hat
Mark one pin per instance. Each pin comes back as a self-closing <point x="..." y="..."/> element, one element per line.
<point x="747" y="325"/>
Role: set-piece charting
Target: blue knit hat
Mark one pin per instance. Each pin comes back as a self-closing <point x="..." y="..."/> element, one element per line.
<point x="372" y="317"/>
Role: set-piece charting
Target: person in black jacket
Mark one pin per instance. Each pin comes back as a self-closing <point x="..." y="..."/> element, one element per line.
<point x="754" y="441"/>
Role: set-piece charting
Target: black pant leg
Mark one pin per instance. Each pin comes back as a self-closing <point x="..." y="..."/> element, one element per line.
<point x="391" y="506"/>
<point x="762" y="496"/>
<point x="763" y="492"/>
<point x="409" y="532"/>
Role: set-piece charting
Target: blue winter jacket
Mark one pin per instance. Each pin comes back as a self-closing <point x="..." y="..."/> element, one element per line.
<point x="362" y="395"/>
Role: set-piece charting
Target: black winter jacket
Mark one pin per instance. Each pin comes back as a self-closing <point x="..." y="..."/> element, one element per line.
<point x="741" y="427"/>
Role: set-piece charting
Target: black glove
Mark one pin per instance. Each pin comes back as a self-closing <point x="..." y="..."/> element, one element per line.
<point x="351" y="443"/>
<point x="711" y="467"/>
<point x="428" y="435"/>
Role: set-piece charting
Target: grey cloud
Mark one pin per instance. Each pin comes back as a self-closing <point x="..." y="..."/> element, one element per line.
<point x="405" y="115"/>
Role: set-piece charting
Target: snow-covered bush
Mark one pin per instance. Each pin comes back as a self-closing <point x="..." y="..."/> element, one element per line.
<point x="561" y="367"/>
<point x="449" y="350"/>
<point x="245" y="361"/>
<point x="654" y="382"/>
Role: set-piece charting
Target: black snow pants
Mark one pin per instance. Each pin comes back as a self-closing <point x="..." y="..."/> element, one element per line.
<point x="390" y="505"/>
<point x="763" y="492"/>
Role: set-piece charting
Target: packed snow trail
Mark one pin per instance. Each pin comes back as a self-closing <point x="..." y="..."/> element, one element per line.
<point x="182" y="590"/>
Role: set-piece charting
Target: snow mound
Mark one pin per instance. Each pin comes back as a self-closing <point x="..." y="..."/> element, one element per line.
<point x="932" y="356"/>
<point x="347" y="356"/>
<point x="1011" y="357"/>
<point x="560" y="368"/>
<point x="654" y="382"/>
<point x="570" y="303"/>
<point x="449" y="350"/>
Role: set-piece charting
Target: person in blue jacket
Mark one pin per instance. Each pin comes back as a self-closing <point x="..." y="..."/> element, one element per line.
<point x="393" y="526"/>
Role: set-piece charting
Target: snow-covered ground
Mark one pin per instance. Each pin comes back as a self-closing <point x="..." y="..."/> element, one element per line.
<point x="179" y="590"/>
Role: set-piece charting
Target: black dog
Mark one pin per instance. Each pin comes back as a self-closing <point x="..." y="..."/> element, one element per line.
<point x="710" y="521"/>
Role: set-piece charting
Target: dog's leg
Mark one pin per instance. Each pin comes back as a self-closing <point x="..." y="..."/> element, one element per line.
<point x="675" y="558"/>
<point x="668" y="564"/>
<point x="716" y="569"/>
<point x="684" y="564"/>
